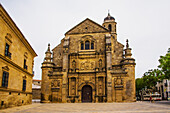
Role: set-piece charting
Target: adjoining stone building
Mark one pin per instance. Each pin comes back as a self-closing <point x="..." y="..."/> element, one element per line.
<point x="16" y="64"/>
<point x="89" y="65"/>
<point x="36" y="90"/>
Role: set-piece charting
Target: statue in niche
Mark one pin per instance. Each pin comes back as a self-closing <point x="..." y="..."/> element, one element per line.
<point x="100" y="63"/>
<point x="74" y="64"/>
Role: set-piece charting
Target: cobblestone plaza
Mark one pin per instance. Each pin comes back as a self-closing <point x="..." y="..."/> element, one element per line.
<point x="139" y="107"/>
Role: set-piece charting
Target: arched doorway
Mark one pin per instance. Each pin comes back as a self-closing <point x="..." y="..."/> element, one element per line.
<point x="86" y="94"/>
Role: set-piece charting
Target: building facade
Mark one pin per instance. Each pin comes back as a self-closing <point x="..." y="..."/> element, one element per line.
<point x="89" y="65"/>
<point x="16" y="64"/>
<point x="36" y="90"/>
<point x="163" y="87"/>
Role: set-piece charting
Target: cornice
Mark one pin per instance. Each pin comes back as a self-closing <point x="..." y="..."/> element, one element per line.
<point x="14" y="90"/>
<point x="5" y="16"/>
<point x="15" y="65"/>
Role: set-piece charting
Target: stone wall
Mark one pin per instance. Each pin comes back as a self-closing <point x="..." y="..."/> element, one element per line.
<point x="10" y="99"/>
<point x="36" y="93"/>
<point x="13" y="93"/>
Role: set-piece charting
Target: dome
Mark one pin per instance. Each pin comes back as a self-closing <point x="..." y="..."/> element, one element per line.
<point x="109" y="18"/>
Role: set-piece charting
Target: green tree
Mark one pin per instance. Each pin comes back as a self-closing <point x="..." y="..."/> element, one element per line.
<point x="139" y="84"/>
<point x="151" y="77"/>
<point x="165" y="65"/>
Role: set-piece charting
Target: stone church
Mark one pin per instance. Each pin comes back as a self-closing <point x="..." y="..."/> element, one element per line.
<point x="89" y="65"/>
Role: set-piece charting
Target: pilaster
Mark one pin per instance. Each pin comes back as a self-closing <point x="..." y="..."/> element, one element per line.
<point x="65" y="70"/>
<point x="109" y="67"/>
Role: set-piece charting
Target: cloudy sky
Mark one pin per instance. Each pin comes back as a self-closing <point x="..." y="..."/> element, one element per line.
<point x="146" y="23"/>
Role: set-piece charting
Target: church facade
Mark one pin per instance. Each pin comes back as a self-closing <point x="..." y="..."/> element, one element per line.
<point x="89" y="65"/>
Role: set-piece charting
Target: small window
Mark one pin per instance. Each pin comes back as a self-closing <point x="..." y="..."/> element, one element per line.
<point x="7" y="53"/>
<point x="82" y="46"/>
<point x="2" y="103"/>
<point x="24" y="85"/>
<point x="92" y="45"/>
<point x="110" y="27"/>
<point x="87" y="45"/>
<point x="25" y="66"/>
<point x="5" y="79"/>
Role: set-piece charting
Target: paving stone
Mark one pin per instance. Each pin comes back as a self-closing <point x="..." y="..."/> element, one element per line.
<point x="139" y="107"/>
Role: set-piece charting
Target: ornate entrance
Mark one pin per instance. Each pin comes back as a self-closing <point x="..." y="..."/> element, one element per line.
<point x="86" y="93"/>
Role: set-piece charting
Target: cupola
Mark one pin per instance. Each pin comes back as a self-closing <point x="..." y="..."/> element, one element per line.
<point x="109" y="18"/>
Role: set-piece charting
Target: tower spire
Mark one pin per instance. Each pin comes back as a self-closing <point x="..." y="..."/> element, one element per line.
<point x="127" y="43"/>
<point x="48" y="54"/>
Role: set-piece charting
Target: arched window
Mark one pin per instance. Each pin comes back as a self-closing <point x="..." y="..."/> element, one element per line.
<point x="92" y="45"/>
<point x="82" y="46"/>
<point x="87" y="45"/>
<point x="110" y="27"/>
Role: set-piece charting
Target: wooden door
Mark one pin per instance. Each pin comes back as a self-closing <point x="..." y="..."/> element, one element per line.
<point x="87" y="94"/>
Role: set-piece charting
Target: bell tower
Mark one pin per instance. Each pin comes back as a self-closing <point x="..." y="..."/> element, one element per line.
<point x="110" y="24"/>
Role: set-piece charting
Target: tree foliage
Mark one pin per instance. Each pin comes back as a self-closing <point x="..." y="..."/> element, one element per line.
<point x="151" y="77"/>
<point x="165" y="65"/>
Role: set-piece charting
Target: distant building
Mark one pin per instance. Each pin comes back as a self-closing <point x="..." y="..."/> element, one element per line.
<point x="36" y="82"/>
<point x="36" y="89"/>
<point x="163" y="88"/>
<point x="16" y="64"/>
<point x="89" y="65"/>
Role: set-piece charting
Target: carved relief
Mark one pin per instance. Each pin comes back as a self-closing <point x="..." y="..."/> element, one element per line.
<point x="129" y="88"/>
<point x="55" y="84"/>
<point x="73" y="86"/>
<point x="87" y="65"/>
<point x="118" y="82"/>
<point x="100" y="85"/>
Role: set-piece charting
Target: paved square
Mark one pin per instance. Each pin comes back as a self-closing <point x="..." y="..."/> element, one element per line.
<point x="139" y="107"/>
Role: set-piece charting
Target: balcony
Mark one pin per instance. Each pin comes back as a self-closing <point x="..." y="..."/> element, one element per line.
<point x="8" y="54"/>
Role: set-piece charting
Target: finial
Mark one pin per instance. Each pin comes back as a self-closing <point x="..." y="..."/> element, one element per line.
<point x="127" y="44"/>
<point x="108" y="12"/>
<point x="48" y="47"/>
